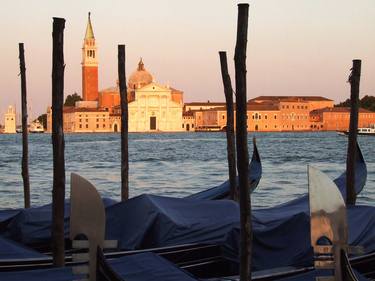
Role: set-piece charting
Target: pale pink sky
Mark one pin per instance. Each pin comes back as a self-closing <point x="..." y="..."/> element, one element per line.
<point x="296" y="47"/>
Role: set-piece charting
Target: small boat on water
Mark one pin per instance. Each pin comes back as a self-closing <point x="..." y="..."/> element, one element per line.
<point x="365" y="131"/>
<point x="36" y="127"/>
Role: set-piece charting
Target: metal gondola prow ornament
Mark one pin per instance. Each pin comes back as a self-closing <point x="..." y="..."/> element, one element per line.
<point x="87" y="219"/>
<point x="328" y="222"/>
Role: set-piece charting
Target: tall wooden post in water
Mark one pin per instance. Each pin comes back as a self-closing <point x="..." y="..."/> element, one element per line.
<point x="25" y="145"/>
<point x="124" y="124"/>
<point x="231" y="145"/>
<point x="354" y="80"/>
<point x="58" y="192"/>
<point x="241" y="138"/>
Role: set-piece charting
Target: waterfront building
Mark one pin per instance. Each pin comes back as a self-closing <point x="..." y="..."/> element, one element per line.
<point x="84" y="117"/>
<point x="337" y="118"/>
<point x="153" y="107"/>
<point x="279" y="113"/>
<point x="193" y="106"/>
<point x="188" y="121"/>
<point x="10" y="120"/>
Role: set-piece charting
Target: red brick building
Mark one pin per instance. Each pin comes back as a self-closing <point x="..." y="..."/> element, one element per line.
<point x="89" y="65"/>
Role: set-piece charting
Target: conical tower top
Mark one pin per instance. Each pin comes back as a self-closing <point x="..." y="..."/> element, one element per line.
<point x="141" y="65"/>
<point x="89" y="31"/>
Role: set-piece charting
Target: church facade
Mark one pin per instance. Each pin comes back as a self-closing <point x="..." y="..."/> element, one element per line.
<point x="152" y="107"/>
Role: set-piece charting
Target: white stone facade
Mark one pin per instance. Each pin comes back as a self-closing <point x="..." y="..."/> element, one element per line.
<point x="154" y="110"/>
<point x="10" y="121"/>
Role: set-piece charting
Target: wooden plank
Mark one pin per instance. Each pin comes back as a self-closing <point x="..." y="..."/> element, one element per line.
<point x="80" y="257"/>
<point x="80" y="269"/>
<point x="110" y="244"/>
<point x="80" y="244"/>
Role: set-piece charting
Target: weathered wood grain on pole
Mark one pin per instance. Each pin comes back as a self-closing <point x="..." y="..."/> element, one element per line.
<point x="231" y="145"/>
<point x="241" y="139"/>
<point x="25" y="145"/>
<point x="58" y="192"/>
<point x="354" y="80"/>
<point x="124" y="124"/>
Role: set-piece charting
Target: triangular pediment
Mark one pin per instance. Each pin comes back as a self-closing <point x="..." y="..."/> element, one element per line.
<point x="154" y="87"/>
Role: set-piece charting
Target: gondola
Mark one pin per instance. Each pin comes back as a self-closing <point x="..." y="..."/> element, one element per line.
<point x="173" y="264"/>
<point x="193" y="255"/>
<point x="215" y="193"/>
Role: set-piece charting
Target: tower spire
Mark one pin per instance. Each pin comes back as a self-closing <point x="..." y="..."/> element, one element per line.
<point x="89" y="30"/>
<point x="141" y="65"/>
<point x="89" y="65"/>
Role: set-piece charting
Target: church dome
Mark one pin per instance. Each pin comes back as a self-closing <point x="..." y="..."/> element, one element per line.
<point x="140" y="78"/>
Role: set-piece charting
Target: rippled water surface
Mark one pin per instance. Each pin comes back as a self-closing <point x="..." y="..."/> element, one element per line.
<point x="177" y="164"/>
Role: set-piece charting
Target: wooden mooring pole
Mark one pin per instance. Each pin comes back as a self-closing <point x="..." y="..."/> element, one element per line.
<point x="241" y="139"/>
<point x="231" y="145"/>
<point x="25" y="145"/>
<point x="354" y="81"/>
<point x="58" y="192"/>
<point x="124" y="124"/>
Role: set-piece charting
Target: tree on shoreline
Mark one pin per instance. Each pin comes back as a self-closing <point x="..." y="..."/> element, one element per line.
<point x="367" y="102"/>
<point x="70" y="100"/>
<point x="42" y="120"/>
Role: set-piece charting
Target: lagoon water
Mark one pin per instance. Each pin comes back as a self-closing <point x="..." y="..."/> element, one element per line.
<point x="177" y="164"/>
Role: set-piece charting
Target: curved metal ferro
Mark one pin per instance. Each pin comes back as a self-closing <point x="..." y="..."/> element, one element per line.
<point x="87" y="217"/>
<point x="328" y="217"/>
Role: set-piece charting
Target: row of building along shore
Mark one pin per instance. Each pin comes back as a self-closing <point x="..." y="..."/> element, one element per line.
<point x="154" y="107"/>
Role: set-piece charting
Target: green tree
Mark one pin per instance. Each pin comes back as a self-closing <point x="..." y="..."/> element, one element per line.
<point x="43" y="120"/>
<point x="71" y="99"/>
<point x="367" y="102"/>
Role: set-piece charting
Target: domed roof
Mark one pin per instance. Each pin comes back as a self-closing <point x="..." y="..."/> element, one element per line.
<point x="140" y="78"/>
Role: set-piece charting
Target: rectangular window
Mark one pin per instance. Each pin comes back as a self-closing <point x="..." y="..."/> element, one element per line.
<point x="97" y="126"/>
<point x="80" y="126"/>
<point x="87" y="126"/>
<point x="97" y="120"/>
<point x="87" y="120"/>
<point x="103" y="125"/>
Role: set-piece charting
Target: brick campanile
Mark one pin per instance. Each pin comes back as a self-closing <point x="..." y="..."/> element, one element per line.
<point x="89" y="65"/>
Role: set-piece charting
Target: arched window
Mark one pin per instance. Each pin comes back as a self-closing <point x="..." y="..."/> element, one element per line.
<point x="256" y="115"/>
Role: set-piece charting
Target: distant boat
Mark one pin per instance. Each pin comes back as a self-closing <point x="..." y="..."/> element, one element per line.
<point x="365" y="131"/>
<point x="36" y="127"/>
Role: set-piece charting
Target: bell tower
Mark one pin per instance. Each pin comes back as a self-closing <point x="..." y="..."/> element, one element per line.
<point x="89" y="65"/>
